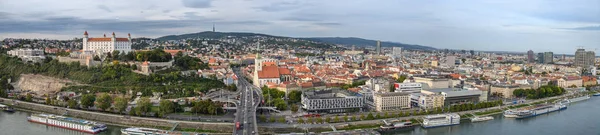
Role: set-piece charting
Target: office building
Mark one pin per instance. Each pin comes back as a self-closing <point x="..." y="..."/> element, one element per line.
<point x="331" y="101"/>
<point x="408" y="87"/>
<point x="456" y="96"/>
<point x="430" y="100"/>
<point x="397" y="52"/>
<point x="584" y="58"/>
<point x="546" y="58"/>
<point x="385" y="101"/>
<point x="530" y="56"/>
<point x="378" y="49"/>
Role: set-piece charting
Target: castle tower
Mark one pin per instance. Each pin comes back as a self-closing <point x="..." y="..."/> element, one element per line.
<point x="85" y="39"/>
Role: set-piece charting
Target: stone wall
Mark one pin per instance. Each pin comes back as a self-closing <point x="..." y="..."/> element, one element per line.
<point x="119" y="119"/>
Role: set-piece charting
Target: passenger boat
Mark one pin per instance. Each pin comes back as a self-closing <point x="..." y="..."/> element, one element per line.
<point x="67" y="123"/>
<point x="392" y="127"/>
<point x="146" y="131"/>
<point x="480" y="119"/>
<point x="577" y="99"/>
<point x="6" y="108"/>
<point x="541" y="109"/>
<point x="440" y="120"/>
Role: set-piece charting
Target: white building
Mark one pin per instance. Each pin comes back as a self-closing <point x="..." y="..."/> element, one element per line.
<point x="378" y="84"/>
<point x="33" y="55"/>
<point x="397" y="52"/>
<point x="385" y="101"/>
<point x="408" y="87"/>
<point x="106" y="44"/>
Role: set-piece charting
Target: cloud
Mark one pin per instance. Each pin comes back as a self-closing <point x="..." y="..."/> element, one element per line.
<point x="197" y="3"/>
<point x="327" y="24"/>
<point x="592" y="28"/>
<point x="105" y="8"/>
<point x="282" y="6"/>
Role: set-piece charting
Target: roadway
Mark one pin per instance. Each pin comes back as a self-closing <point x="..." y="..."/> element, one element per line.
<point x="246" y="108"/>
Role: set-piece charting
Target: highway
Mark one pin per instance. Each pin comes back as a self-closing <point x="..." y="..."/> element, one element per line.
<point x="250" y="98"/>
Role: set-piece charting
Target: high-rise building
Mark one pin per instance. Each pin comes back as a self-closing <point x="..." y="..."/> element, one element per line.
<point x="530" y="56"/>
<point x="378" y="49"/>
<point x="548" y="57"/>
<point x="540" y="58"/>
<point x="584" y="58"/>
<point x="397" y="52"/>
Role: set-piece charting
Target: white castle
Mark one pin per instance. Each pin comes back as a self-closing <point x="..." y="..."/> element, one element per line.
<point x="106" y="44"/>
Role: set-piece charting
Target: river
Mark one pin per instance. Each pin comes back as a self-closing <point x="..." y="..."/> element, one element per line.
<point x="580" y="118"/>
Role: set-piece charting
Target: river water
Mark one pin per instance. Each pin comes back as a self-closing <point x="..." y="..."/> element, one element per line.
<point x="581" y="118"/>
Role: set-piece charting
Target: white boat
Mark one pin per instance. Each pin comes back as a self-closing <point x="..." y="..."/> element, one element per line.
<point x="541" y="109"/>
<point x="513" y="113"/>
<point x="67" y="123"/>
<point x="577" y="99"/>
<point x="597" y="94"/>
<point x="479" y="119"/>
<point x="440" y="120"/>
<point x="146" y="131"/>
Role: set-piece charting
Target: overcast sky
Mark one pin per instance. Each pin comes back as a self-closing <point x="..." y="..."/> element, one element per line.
<point x="508" y="25"/>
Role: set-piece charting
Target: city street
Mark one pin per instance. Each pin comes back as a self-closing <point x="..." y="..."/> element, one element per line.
<point x="246" y="111"/>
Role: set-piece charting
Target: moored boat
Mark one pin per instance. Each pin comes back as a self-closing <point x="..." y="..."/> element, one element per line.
<point x="6" y="108"/>
<point x="577" y="99"/>
<point x="67" y="123"/>
<point x="479" y="119"/>
<point x="440" y="120"/>
<point x="392" y="127"/>
<point x="146" y="131"/>
<point x="597" y="94"/>
<point x="541" y="109"/>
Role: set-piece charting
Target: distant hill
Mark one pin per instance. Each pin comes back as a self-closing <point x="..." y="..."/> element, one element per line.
<point x="210" y="34"/>
<point x="359" y="42"/>
<point x="348" y="41"/>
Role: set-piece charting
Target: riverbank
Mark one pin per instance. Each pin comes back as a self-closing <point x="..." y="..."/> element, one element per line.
<point x="121" y="120"/>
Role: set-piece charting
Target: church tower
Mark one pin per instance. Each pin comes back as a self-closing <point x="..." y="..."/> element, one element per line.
<point x="257" y="66"/>
<point x="85" y="39"/>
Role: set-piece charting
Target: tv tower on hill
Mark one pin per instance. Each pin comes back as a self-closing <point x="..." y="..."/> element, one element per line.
<point x="213" y="27"/>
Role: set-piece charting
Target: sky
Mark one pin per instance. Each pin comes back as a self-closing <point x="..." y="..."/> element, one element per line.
<point x="560" y="26"/>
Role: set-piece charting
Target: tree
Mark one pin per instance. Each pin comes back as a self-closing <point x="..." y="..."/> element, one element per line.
<point x="310" y="120"/>
<point x="280" y="104"/>
<point x="401" y="78"/>
<point x="120" y="104"/>
<point x="362" y="116"/>
<point x="294" y="108"/>
<point x="282" y="119"/>
<point x="328" y="119"/>
<point x="143" y="105"/>
<point x="49" y="101"/>
<point x="370" y="116"/>
<point x="300" y="120"/>
<point x="378" y="116"/>
<point x="385" y="115"/>
<point x="104" y="101"/>
<point x="295" y="96"/>
<point x="87" y="100"/>
<point x="345" y="118"/>
<point x="72" y="104"/>
<point x="336" y="119"/>
<point x="319" y="120"/>
<point x="166" y="107"/>
<point x="354" y="118"/>
<point x="29" y="97"/>
<point x="272" y="119"/>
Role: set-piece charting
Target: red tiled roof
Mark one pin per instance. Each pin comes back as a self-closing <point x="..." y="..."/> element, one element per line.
<point x="106" y="39"/>
<point x="285" y="71"/>
<point x="269" y="72"/>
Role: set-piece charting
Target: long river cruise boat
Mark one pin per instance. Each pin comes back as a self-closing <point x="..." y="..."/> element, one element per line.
<point x="534" y="111"/>
<point x="67" y="123"/>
